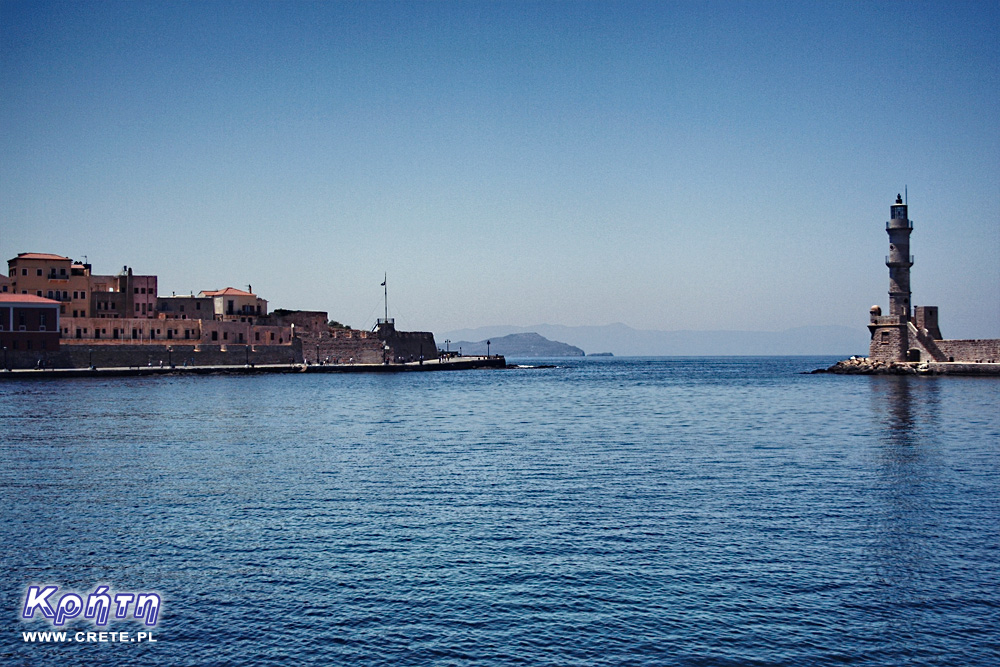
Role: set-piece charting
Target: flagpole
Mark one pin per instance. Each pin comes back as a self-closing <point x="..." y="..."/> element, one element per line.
<point x="384" y="281"/>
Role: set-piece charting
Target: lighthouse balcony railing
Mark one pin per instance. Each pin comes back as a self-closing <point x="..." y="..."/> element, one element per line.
<point x="899" y="224"/>
<point x="890" y="260"/>
<point x="887" y="320"/>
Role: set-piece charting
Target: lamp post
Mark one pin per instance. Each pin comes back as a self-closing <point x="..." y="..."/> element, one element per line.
<point x="247" y="350"/>
<point x="90" y="358"/>
<point x="170" y="356"/>
<point x="317" y="354"/>
<point x="487" y="349"/>
<point x="447" y="344"/>
<point x="6" y="366"/>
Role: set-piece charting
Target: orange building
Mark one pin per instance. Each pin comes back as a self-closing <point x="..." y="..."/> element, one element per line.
<point x="52" y="277"/>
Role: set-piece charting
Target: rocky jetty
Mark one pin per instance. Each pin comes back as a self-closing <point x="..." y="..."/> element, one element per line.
<point x="866" y="366"/>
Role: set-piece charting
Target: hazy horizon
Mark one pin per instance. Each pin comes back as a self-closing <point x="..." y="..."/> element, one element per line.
<point x="669" y="166"/>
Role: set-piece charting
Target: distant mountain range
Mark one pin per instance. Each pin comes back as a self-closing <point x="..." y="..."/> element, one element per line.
<point x="518" y="345"/>
<point x="623" y="340"/>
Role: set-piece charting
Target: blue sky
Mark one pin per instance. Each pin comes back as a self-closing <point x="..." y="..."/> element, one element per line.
<point x="669" y="165"/>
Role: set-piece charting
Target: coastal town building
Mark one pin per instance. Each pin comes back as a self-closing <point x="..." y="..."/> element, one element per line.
<point x="28" y="323"/>
<point x="912" y="334"/>
<point x="234" y="304"/>
<point x="53" y="277"/>
<point x="186" y="307"/>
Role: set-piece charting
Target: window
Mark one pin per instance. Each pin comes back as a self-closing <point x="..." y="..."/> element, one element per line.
<point x="215" y="335"/>
<point x="197" y="306"/>
<point x="83" y="295"/>
<point x="39" y="271"/>
<point x="225" y="335"/>
<point x="24" y="272"/>
<point x="136" y="290"/>
<point x="885" y="337"/>
<point x="62" y="272"/>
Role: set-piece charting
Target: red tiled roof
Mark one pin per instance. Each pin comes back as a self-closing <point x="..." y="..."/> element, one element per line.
<point x="26" y="298"/>
<point x="39" y="255"/>
<point x="230" y="291"/>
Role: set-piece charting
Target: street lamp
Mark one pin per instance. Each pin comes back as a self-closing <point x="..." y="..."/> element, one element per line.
<point x="447" y="343"/>
<point x="487" y="349"/>
<point x="6" y="366"/>
<point x="246" y="349"/>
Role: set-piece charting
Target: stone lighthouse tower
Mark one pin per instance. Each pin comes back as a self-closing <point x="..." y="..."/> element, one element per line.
<point x="890" y="333"/>
<point x="899" y="260"/>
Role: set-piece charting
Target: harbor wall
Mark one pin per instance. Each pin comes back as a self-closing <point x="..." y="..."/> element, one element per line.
<point x="980" y="351"/>
<point x="115" y="355"/>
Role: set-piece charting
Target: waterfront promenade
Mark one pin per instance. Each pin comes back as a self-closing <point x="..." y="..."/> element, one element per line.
<point x="448" y="364"/>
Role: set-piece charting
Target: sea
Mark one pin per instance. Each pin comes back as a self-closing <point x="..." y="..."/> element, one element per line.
<point x="585" y="511"/>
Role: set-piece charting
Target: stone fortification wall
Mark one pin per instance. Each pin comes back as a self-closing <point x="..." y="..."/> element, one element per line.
<point x="340" y="345"/>
<point x="304" y="320"/>
<point x="410" y="345"/>
<point x="980" y="351"/>
<point x="110" y="355"/>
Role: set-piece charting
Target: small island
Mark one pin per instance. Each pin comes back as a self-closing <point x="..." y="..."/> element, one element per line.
<point x="519" y="345"/>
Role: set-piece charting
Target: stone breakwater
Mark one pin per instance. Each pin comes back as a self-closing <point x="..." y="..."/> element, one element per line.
<point x="868" y="366"/>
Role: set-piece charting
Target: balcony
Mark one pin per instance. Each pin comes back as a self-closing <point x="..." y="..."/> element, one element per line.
<point x="896" y="262"/>
<point x="899" y="224"/>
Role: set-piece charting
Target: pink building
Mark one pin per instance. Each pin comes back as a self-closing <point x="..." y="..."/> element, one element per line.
<point x="29" y="323"/>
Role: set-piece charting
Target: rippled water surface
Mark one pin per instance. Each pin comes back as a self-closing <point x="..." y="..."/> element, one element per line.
<point x="727" y="511"/>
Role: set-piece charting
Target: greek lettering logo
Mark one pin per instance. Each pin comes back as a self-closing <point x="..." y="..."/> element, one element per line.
<point x="98" y="607"/>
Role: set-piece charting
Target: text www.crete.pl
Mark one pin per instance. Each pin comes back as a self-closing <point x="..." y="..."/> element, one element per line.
<point x="87" y="637"/>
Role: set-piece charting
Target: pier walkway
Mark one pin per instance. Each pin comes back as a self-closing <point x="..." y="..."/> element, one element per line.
<point x="449" y="364"/>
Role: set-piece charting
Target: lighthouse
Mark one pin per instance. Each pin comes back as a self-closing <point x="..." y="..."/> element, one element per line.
<point x="899" y="260"/>
<point x="891" y="332"/>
